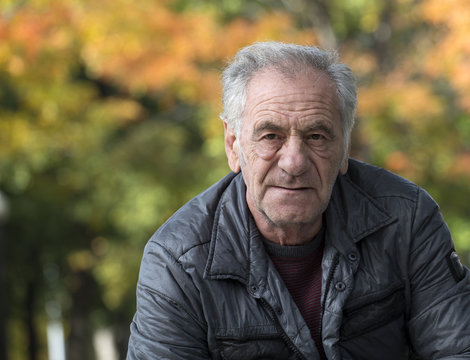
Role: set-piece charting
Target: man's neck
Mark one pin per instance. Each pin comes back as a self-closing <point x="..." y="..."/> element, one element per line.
<point x="293" y="234"/>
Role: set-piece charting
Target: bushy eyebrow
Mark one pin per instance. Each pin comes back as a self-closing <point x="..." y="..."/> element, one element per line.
<point x="271" y="126"/>
<point x="267" y="125"/>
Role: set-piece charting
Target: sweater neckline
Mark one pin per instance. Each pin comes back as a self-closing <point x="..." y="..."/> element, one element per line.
<point x="295" y="251"/>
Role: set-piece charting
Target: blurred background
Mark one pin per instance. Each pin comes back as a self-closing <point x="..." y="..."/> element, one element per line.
<point x="109" y="122"/>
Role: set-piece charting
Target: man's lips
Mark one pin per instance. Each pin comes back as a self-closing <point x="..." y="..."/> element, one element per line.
<point x="291" y="188"/>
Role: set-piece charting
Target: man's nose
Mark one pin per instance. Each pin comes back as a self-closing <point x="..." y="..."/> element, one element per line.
<point x="293" y="156"/>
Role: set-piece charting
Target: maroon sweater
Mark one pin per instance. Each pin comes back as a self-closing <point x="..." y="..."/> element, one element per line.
<point x="300" y="269"/>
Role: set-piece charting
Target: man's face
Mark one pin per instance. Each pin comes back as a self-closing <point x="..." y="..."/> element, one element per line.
<point x="290" y="148"/>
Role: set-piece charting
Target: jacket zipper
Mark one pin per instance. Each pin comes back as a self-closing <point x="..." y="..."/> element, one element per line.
<point x="329" y="279"/>
<point x="287" y="340"/>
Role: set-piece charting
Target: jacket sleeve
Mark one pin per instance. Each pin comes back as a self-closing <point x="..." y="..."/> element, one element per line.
<point x="439" y="325"/>
<point x="168" y="323"/>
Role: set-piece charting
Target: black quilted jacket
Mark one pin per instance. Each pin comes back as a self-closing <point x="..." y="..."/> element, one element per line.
<point x="392" y="286"/>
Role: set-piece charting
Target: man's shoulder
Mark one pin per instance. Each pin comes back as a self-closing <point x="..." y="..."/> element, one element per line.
<point x="380" y="183"/>
<point x="191" y="225"/>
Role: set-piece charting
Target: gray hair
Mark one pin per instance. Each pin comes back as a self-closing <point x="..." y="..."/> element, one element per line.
<point x="285" y="58"/>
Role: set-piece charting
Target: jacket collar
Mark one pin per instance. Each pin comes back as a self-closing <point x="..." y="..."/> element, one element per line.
<point x="352" y="215"/>
<point x="236" y="245"/>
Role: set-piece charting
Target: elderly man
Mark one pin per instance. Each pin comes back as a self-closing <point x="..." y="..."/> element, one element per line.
<point x="300" y="252"/>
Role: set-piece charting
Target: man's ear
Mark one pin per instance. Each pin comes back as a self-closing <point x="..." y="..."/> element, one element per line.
<point x="231" y="149"/>
<point x="345" y="163"/>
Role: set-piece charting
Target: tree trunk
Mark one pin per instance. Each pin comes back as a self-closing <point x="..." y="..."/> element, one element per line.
<point x="84" y="300"/>
<point x="3" y="299"/>
<point x="383" y="33"/>
<point x="316" y="12"/>
<point x="30" y="302"/>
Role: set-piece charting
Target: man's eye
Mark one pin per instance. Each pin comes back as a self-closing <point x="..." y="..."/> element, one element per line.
<point x="316" y="137"/>
<point x="270" y="136"/>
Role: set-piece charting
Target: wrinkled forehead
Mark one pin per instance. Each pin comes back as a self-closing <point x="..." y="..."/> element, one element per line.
<point x="274" y="87"/>
<point x="279" y="79"/>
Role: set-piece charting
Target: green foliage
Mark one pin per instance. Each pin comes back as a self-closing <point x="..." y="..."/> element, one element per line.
<point x="108" y="123"/>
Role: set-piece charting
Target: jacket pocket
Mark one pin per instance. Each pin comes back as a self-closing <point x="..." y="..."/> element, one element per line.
<point x="373" y="311"/>
<point x="260" y="343"/>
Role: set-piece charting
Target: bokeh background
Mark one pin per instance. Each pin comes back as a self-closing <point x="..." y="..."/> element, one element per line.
<point x="109" y="122"/>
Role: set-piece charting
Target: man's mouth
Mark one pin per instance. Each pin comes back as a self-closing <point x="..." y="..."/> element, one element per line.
<point x="292" y="188"/>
